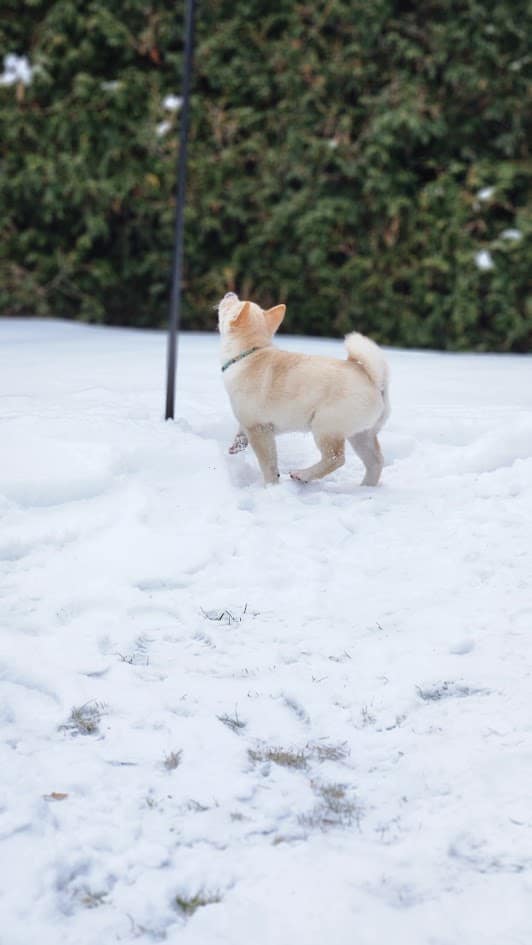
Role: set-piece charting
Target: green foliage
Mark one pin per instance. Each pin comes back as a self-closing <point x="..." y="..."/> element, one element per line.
<point x="337" y="151"/>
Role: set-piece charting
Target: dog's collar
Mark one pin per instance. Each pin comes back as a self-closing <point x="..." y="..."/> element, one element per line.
<point x="239" y="357"/>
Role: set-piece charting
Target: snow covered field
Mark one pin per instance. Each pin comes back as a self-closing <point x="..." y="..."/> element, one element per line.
<point x="233" y="715"/>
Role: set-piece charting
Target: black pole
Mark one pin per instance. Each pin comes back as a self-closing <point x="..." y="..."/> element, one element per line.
<point x="177" y="265"/>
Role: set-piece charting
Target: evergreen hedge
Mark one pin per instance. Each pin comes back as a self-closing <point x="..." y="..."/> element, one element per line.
<point x="337" y="153"/>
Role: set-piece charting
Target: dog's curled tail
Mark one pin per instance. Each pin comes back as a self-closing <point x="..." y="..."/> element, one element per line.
<point x="366" y="353"/>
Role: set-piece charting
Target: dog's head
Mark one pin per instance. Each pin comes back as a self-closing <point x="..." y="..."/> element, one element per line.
<point x="235" y="316"/>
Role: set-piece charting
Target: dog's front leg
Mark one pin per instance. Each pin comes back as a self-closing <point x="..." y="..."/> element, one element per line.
<point x="239" y="443"/>
<point x="263" y="444"/>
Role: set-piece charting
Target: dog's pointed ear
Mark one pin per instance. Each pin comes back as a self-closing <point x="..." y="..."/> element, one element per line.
<point x="241" y="314"/>
<point x="274" y="317"/>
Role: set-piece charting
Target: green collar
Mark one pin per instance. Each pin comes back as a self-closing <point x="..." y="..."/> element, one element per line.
<point x="239" y="357"/>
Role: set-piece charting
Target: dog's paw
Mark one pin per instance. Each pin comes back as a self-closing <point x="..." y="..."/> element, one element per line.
<point x="239" y="443"/>
<point x="298" y="475"/>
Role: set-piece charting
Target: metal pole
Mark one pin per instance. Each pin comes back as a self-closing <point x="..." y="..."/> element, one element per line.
<point x="177" y="265"/>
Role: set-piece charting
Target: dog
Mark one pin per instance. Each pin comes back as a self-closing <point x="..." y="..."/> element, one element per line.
<point x="273" y="391"/>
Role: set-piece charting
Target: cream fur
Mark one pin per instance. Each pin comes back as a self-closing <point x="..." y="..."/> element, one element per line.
<point x="273" y="391"/>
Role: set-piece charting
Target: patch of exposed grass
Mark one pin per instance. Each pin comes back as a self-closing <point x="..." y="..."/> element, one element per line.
<point x="280" y="756"/>
<point x="197" y="807"/>
<point x="140" y="653"/>
<point x="172" y="760"/>
<point x="232" y="722"/>
<point x="226" y="617"/>
<point x="447" y="689"/>
<point x="91" y="900"/>
<point x="341" y="658"/>
<point x="188" y="905"/>
<point x="84" y="719"/>
<point x="366" y="717"/>
<point x="299" y="758"/>
<point x="285" y="838"/>
<point x="334" y="808"/>
<point x="324" y="752"/>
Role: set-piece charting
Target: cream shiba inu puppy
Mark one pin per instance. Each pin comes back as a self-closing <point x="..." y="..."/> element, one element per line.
<point x="273" y="391"/>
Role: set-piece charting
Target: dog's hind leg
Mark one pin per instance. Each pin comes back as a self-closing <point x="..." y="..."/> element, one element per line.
<point x="262" y="442"/>
<point x="366" y="445"/>
<point x="332" y="449"/>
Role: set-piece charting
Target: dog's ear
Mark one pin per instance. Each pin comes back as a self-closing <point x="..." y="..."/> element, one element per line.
<point x="241" y="315"/>
<point x="274" y="317"/>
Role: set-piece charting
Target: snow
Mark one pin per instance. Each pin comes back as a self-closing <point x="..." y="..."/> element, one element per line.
<point x="163" y="128"/>
<point x="512" y="234"/>
<point x="484" y="260"/>
<point x="16" y="69"/>
<point x="172" y="103"/>
<point x="303" y="711"/>
<point x="486" y="193"/>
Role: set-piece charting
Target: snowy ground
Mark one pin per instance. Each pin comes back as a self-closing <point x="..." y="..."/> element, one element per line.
<point x="234" y="715"/>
